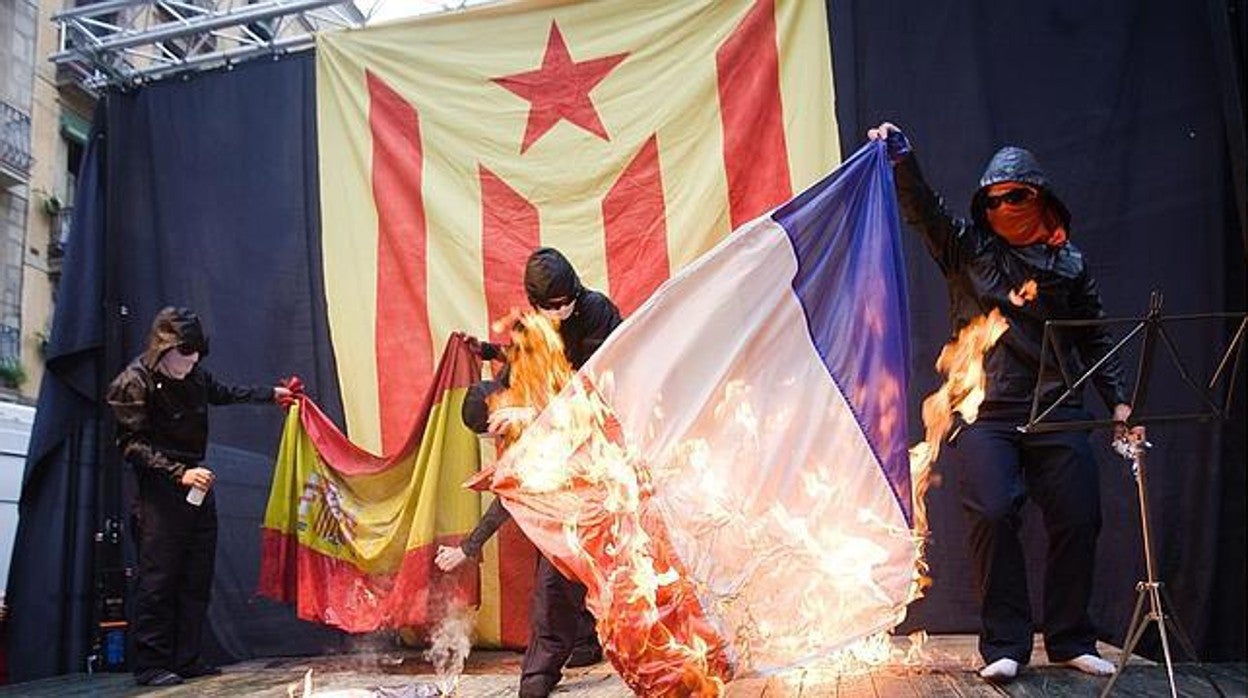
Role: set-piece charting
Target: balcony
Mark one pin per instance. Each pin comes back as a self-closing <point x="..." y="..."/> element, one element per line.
<point x="59" y="238"/>
<point x="14" y="146"/>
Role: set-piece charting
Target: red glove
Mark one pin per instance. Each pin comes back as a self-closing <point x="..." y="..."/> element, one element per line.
<point x="293" y="384"/>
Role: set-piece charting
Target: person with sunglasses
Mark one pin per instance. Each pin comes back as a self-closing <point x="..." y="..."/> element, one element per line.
<point x="1019" y="234"/>
<point x="160" y="401"/>
<point x="561" y="632"/>
<point x="553" y="287"/>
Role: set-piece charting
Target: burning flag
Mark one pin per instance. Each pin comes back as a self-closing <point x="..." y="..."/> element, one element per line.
<point x="728" y="475"/>
<point x="631" y="136"/>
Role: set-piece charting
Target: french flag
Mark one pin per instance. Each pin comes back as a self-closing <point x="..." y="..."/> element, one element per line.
<point x="759" y="396"/>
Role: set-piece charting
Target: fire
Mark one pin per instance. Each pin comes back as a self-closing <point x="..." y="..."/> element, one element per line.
<point x="1024" y="294"/>
<point x="301" y="688"/>
<point x="649" y="619"/>
<point x="538" y="368"/>
<point x="653" y="611"/>
<point x="962" y="363"/>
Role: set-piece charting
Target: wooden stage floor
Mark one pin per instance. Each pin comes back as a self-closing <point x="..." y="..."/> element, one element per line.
<point x="947" y="672"/>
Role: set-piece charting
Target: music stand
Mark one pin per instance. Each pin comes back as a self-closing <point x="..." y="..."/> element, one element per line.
<point x="1152" y="329"/>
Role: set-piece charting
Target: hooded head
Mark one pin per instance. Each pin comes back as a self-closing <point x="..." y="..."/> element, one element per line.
<point x="551" y="283"/>
<point x="1016" y="201"/>
<point x="177" y="330"/>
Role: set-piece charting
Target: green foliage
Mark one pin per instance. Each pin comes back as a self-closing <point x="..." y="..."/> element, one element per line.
<point x="12" y="374"/>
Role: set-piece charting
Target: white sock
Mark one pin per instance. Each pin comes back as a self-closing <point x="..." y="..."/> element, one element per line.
<point x="1091" y="664"/>
<point x="1004" y="669"/>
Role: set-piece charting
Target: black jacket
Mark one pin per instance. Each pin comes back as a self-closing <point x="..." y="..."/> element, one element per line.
<point x="547" y="275"/>
<point x="982" y="269"/>
<point x="592" y="320"/>
<point x="162" y="423"/>
<point x="476" y="415"/>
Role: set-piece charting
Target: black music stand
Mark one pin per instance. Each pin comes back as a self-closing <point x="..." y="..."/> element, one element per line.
<point x="1152" y="329"/>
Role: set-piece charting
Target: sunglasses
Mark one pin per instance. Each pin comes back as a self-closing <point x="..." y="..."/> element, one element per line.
<point x="1013" y="197"/>
<point x="554" y="303"/>
<point x="187" y="350"/>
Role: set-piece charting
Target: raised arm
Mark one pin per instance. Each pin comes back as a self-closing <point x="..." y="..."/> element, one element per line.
<point x="949" y="240"/>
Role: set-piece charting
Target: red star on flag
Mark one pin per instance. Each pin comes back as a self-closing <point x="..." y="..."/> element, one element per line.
<point x="560" y="89"/>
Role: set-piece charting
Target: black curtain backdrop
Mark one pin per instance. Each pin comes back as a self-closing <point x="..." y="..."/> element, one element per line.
<point x="211" y="201"/>
<point x="1121" y="100"/>
<point x="49" y="591"/>
<point x="208" y="197"/>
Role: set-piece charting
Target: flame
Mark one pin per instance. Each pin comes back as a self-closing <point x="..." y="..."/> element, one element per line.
<point x="301" y="688"/>
<point x="962" y="363"/>
<point x="652" y="613"/>
<point x="537" y="365"/>
<point x="649" y="619"/>
<point x="1024" y="294"/>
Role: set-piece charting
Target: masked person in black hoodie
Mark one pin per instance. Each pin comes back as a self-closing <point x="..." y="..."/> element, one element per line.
<point x="561" y="629"/>
<point x="1018" y="234"/>
<point x="161" y="403"/>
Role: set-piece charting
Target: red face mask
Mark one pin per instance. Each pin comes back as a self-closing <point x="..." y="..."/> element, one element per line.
<point x="1019" y="214"/>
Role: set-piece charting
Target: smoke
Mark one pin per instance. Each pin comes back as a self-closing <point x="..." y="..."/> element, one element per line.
<point x="449" y="644"/>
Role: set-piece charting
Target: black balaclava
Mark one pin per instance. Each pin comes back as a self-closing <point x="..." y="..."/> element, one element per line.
<point x="549" y="275"/>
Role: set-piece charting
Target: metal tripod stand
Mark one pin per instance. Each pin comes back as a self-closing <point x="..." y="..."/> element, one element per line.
<point x="1216" y="397"/>
<point x="1150" y="588"/>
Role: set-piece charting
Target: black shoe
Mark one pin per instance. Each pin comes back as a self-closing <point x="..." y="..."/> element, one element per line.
<point x="584" y="656"/>
<point x="157" y="677"/>
<point x="535" y="689"/>
<point x="197" y="670"/>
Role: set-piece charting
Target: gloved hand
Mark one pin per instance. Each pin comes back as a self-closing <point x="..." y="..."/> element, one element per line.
<point x="288" y="391"/>
<point x="484" y="350"/>
<point x="894" y="140"/>
<point x="505" y="418"/>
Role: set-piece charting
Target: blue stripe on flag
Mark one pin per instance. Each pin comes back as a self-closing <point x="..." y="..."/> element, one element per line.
<point x="850" y="281"/>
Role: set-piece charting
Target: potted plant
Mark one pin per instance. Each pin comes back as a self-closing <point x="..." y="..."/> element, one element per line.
<point x="12" y="375"/>
<point x="52" y="204"/>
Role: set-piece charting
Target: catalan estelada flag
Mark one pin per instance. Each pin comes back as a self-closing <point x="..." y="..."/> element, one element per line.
<point x="632" y="136"/>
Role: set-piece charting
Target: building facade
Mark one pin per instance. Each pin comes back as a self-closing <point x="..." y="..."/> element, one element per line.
<point x="44" y="120"/>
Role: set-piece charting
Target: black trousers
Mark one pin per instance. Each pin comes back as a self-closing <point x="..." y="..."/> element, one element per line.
<point x="177" y="546"/>
<point x="559" y="624"/>
<point x="997" y="469"/>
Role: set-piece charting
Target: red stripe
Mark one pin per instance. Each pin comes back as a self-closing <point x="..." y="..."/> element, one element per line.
<point x="458" y="368"/>
<point x="517" y="567"/>
<point x="510" y="230"/>
<point x="403" y="341"/>
<point x="634" y="220"/>
<point x="755" y="156"/>
<point x="327" y="590"/>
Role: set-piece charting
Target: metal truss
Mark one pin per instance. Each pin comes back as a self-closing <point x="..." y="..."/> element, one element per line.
<point x="132" y="42"/>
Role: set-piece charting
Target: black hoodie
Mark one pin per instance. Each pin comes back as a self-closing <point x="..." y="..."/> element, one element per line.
<point x="982" y="269"/>
<point x="162" y="422"/>
<point x="549" y="275"/>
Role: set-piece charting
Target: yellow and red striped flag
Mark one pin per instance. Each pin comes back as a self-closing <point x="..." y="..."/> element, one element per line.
<point x="632" y="135"/>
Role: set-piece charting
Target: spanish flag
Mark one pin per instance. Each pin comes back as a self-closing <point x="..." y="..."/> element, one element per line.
<point x="633" y="135"/>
